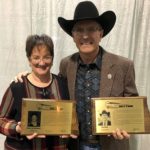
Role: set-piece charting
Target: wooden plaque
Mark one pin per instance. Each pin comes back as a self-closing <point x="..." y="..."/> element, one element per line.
<point x="48" y="117"/>
<point x="127" y="113"/>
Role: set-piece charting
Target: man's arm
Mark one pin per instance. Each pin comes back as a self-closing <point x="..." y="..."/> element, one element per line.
<point x="130" y="86"/>
<point x="19" y="76"/>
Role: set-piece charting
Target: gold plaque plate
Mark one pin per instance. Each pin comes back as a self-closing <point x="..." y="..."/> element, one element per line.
<point x="49" y="117"/>
<point x="127" y="113"/>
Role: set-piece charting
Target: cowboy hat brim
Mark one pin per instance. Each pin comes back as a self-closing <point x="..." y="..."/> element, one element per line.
<point x="106" y="20"/>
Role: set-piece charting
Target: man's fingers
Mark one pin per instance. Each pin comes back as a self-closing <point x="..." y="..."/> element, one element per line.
<point x="120" y="134"/>
<point x="18" y="78"/>
<point x="125" y="134"/>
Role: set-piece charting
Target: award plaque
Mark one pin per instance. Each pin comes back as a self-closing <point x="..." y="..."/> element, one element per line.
<point x="126" y="113"/>
<point x="48" y="117"/>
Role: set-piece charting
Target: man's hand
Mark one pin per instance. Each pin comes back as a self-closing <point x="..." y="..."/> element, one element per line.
<point x="120" y="134"/>
<point x="18" y="78"/>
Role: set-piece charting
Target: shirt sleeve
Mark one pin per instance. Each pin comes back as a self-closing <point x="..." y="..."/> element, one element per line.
<point x="7" y="123"/>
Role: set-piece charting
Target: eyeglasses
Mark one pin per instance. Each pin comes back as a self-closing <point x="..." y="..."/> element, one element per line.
<point x="37" y="59"/>
<point x="90" y="30"/>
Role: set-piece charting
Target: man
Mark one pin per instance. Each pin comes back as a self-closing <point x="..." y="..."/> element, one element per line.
<point x="94" y="72"/>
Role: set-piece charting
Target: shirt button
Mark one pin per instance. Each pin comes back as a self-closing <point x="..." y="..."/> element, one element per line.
<point x="88" y="84"/>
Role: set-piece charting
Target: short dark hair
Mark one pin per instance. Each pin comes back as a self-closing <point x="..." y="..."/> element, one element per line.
<point x="35" y="40"/>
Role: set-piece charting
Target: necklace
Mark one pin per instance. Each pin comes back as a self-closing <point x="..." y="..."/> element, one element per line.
<point x="39" y="82"/>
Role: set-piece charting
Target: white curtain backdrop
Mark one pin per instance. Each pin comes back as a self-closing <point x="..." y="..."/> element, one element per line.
<point x="130" y="38"/>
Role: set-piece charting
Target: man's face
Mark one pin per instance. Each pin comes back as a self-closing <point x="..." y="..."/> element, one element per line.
<point x="87" y="35"/>
<point x="105" y="117"/>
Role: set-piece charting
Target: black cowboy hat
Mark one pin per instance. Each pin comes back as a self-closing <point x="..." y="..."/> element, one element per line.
<point x="87" y="11"/>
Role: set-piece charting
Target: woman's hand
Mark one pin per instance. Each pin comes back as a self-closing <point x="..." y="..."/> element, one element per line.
<point x="18" y="127"/>
<point x="35" y="135"/>
<point x="68" y="136"/>
<point x="31" y="136"/>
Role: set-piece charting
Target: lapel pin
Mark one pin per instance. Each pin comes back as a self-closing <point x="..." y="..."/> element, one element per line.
<point x="109" y="76"/>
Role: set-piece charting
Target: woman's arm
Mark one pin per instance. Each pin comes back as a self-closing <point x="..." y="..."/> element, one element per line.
<point x="7" y="123"/>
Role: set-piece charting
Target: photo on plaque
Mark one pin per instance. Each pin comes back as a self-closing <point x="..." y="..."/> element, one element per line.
<point x="34" y="119"/>
<point x="104" y="119"/>
<point x="128" y="113"/>
<point x="49" y="117"/>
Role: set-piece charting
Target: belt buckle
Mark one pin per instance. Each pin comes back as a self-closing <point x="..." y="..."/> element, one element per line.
<point x="92" y="139"/>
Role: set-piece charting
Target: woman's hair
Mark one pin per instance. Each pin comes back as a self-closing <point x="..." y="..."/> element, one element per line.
<point x="35" y="40"/>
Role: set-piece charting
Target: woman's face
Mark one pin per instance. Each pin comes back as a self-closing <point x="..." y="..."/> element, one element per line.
<point x="40" y="60"/>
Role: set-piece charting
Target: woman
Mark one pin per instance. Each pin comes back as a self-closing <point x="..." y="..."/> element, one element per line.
<point x="40" y="83"/>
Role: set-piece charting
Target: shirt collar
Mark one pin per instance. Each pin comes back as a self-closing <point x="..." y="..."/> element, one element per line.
<point x="97" y="61"/>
